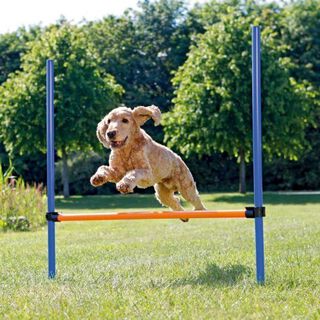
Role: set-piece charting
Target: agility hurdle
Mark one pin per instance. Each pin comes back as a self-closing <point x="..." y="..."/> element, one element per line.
<point x="257" y="212"/>
<point x="153" y="215"/>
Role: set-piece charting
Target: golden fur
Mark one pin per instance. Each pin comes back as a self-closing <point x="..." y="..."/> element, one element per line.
<point x="138" y="161"/>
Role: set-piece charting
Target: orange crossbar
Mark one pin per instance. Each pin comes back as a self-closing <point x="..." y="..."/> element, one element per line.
<point x="153" y="215"/>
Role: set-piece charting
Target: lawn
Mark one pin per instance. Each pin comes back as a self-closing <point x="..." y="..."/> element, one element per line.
<point x="166" y="269"/>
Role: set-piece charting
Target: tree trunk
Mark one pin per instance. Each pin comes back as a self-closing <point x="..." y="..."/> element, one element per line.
<point x="65" y="175"/>
<point x="242" y="173"/>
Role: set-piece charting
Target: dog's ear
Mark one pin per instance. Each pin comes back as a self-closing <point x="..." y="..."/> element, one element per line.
<point x="101" y="133"/>
<point x="142" y="114"/>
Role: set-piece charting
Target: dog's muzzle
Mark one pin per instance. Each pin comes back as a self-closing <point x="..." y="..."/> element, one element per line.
<point x="118" y="144"/>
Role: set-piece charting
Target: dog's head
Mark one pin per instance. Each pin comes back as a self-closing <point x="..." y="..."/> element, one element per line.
<point x="118" y="128"/>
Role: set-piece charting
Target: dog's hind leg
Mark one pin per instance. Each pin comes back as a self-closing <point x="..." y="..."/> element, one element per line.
<point x="167" y="198"/>
<point x="187" y="187"/>
<point x="190" y="193"/>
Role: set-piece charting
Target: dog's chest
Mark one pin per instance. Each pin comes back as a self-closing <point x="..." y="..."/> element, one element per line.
<point x="128" y="162"/>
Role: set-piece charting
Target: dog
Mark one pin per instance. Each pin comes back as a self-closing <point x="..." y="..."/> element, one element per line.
<point x="136" y="160"/>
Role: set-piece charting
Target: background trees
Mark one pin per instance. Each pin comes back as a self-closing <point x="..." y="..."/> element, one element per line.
<point x="212" y="111"/>
<point x="142" y="48"/>
<point x="300" y="25"/>
<point x="12" y="47"/>
<point x="205" y="51"/>
<point x="82" y="96"/>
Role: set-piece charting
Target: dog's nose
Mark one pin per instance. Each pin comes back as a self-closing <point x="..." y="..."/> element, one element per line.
<point x="111" y="134"/>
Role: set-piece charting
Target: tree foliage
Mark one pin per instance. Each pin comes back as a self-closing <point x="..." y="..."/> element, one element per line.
<point x="300" y="31"/>
<point x="142" y="48"/>
<point x="301" y="25"/>
<point x="82" y="96"/>
<point x="12" y="47"/>
<point x="212" y="111"/>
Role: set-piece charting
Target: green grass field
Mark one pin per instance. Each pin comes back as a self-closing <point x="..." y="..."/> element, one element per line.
<point x="166" y="269"/>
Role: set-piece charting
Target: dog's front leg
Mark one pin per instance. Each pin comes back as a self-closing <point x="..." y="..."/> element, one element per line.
<point x="105" y="174"/>
<point x="141" y="177"/>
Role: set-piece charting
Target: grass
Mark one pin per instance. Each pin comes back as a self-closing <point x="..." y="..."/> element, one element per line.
<point x="166" y="269"/>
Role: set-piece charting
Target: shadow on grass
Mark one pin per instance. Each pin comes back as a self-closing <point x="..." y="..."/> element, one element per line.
<point x="269" y="199"/>
<point x="216" y="276"/>
<point x="108" y="202"/>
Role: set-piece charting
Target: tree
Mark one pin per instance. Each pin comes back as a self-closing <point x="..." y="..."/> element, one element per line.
<point x="301" y="25"/>
<point x="142" y="48"/>
<point x="212" y="110"/>
<point x="202" y="16"/>
<point x="114" y="40"/>
<point x="164" y="40"/>
<point x="12" y="47"/>
<point x="82" y="96"/>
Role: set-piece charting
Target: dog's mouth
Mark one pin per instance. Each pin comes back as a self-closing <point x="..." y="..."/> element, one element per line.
<point x="118" y="144"/>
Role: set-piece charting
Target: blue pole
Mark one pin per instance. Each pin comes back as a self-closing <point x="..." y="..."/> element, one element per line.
<point x="257" y="151"/>
<point x="50" y="169"/>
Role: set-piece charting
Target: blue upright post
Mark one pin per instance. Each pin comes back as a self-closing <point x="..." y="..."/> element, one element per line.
<point x="50" y="169"/>
<point x="257" y="150"/>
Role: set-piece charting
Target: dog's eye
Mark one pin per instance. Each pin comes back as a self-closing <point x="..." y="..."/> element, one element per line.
<point x="108" y="121"/>
<point x="125" y="120"/>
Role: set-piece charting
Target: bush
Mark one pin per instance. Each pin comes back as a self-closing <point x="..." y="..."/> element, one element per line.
<point x="22" y="207"/>
<point x="81" y="167"/>
<point x="218" y="172"/>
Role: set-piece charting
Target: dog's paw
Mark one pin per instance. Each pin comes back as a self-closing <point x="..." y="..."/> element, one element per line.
<point x="124" y="187"/>
<point x="97" y="180"/>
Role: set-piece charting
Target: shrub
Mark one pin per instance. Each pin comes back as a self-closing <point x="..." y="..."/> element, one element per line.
<point x="22" y="207"/>
<point x="81" y="167"/>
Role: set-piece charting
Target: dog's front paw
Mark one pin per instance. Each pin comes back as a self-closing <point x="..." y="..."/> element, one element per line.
<point x="124" y="187"/>
<point x="97" y="180"/>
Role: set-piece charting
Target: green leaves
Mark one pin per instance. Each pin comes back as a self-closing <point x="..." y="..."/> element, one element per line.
<point x="142" y="48"/>
<point x="82" y="94"/>
<point x="212" y="111"/>
<point x="140" y="52"/>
